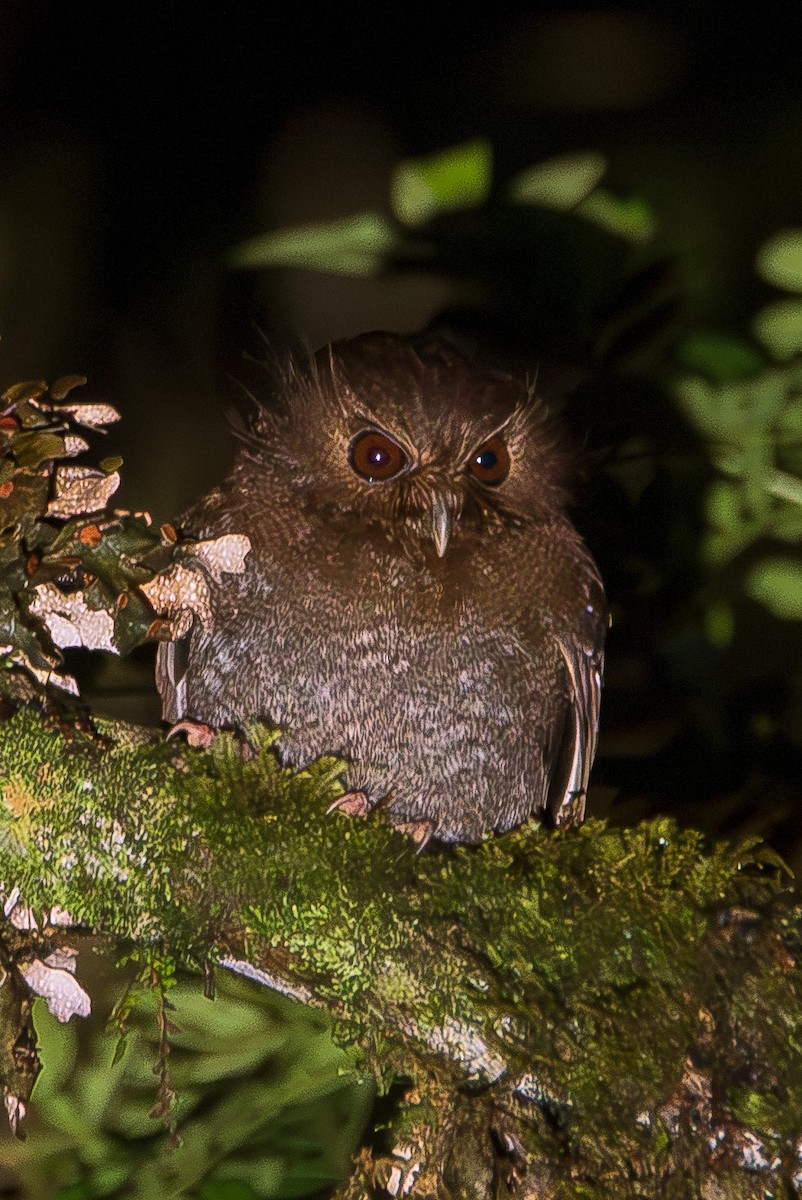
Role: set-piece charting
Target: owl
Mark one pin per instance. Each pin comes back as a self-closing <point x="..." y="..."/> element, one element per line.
<point x="416" y="599"/>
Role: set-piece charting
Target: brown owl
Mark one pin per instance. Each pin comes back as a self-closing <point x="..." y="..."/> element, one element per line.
<point x="415" y="600"/>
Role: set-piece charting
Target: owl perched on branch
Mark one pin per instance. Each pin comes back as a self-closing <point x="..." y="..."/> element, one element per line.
<point x="415" y="600"/>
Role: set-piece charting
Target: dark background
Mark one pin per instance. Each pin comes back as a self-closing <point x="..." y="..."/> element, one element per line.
<point x="138" y="145"/>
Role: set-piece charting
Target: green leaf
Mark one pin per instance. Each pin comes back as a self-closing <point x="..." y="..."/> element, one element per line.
<point x="27" y="494"/>
<point x="786" y="523"/>
<point x="630" y="218"/>
<point x="765" y="856"/>
<point x="456" y="178"/>
<point x="18" y="392"/>
<point x="723" y="505"/>
<point x="779" y="260"/>
<point x="719" y="625"/>
<point x="776" y="583"/>
<point x="779" y="327"/>
<point x="119" y="1049"/>
<point x="62" y="387"/>
<point x="560" y="183"/>
<point x="131" y="623"/>
<point x="111" y="464"/>
<point x="789" y="423"/>
<point x="228" y="1189"/>
<point x="355" y="245"/>
<point x="719" y="356"/>
<point x="34" y="448"/>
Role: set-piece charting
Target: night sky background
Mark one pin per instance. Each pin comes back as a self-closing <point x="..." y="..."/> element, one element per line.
<point x="139" y="144"/>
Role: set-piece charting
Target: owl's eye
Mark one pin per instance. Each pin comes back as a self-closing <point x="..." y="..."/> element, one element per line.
<point x="490" y="464"/>
<point x="376" y="457"/>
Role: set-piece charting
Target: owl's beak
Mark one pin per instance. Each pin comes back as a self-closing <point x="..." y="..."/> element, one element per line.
<point x="441" y="523"/>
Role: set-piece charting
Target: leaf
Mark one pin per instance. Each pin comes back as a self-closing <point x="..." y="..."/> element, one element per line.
<point x="779" y="327"/>
<point x="719" y="624"/>
<point x="789" y="422"/>
<point x="225" y="554"/>
<point x="24" y="493"/>
<point x="93" y="416"/>
<point x="630" y="218"/>
<point x="34" y="448"/>
<point x="24" y="391"/>
<point x="81" y="490"/>
<point x="69" y="620"/>
<point x="456" y="178"/>
<point x="779" y="260"/>
<point x="730" y="526"/>
<point x="719" y="356"/>
<point x="74" y="445"/>
<point x="63" y="386"/>
<point x="776" y="583"/>
<point x="786" y="522"/>
<point x="132" y="620"/>
<point x="559" y="183"/>
<point x="178" y="594"/>
<point x="766" y="856"/>
<point x="119" y="1049"/>
<point x="62" y="993"/>
<point x="355" y="245"/>
<point x="228" y="1189"/>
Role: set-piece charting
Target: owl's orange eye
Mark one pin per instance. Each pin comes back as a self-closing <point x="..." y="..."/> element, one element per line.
<point x="490" y="464"/>
<point x="376" y="457"/>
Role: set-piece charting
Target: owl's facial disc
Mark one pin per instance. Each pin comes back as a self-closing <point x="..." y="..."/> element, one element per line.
<point x="429" y="501"/>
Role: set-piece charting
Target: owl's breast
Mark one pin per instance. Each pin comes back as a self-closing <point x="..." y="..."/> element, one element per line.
<point x="389" y="651"/>
<point x="440" y="686"/>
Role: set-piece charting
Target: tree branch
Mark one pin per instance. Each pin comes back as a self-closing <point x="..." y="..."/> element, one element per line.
<point x="571" y="1010"/>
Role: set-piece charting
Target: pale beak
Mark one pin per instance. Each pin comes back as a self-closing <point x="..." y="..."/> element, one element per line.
<point x="441" y="524"/>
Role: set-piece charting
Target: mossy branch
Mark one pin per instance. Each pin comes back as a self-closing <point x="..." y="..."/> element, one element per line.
<point x="569" y="1008"/>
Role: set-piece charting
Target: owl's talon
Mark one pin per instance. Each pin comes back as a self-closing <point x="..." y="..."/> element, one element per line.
<point x="197" y="735"/>
<point x="420" y="832"/>
<point x="353" y="804"/>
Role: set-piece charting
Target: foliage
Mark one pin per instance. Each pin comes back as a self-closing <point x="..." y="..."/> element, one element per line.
<point x="537" y="248"/>
<point x="749" y="412"/>
<point x="72" y="571"/>
<point x="57" y="534"/>
<point x="423" y="190"/>
<point x="264" y="1100"/>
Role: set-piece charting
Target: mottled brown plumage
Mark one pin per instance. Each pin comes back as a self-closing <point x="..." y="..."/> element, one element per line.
<point x="416" y="598"/>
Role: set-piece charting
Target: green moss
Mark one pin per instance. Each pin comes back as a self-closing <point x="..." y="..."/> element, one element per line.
<point x="578" y="970"/>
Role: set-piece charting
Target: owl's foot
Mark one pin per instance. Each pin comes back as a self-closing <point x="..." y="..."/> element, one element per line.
<point x="201" y="737"/>
<point x="357" y="804"/>
<point x="420" y="832"/>
<point x="197" y="735"/>
<point x="353" y="804"/>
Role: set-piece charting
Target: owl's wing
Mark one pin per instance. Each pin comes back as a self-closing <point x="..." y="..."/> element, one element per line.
<point x="172" y="658"/>
<point x="171" y="670"/>
<point x="584" y="660"/>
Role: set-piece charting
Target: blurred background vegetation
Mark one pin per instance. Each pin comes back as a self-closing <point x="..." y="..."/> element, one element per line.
<point x="609" y="196"/>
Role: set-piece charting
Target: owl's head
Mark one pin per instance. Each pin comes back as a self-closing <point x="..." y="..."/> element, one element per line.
<point x="408" y="435"/>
